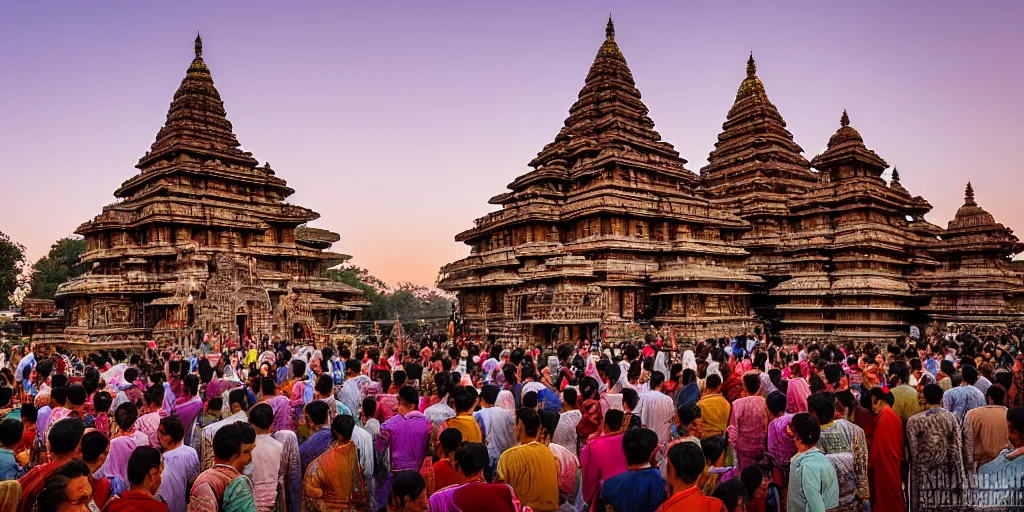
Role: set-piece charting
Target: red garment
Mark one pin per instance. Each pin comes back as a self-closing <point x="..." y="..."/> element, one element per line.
<point x="483" y="497"/>
<point x="733" y="388"/>
<point x="32" y="484"/>
<point x="884" y="458"/>
<point x="445" y="474"/>
<point x="691" y="500"/>
<point x="591" y="420"/>
<point x="865" y="419"/>
<point x="100" y="490"/>
<point x="135" y="501"/>
<point x="26" y="439"/>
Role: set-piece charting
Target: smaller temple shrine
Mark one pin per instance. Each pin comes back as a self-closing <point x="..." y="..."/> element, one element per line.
<point x="974" y="282"/>
<point x="201" y="240"/>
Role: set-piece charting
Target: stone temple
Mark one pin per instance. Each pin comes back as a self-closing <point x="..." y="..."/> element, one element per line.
<point x="609" y="235"/>
<point x="201" y="239"/>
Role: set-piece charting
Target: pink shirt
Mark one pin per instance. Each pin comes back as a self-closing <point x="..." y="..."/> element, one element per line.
<point x="748" y="425"/>
<point x="601" y="459"/>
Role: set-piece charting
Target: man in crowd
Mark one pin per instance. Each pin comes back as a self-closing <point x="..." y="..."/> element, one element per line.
<point x="530" y="468"/>
<point x="497" y="426"/>
<point x="181" y="464"/>
<point x="144" y="475"/>
<point x="933" y="438"/>
<point x="656" y="409"/>
<point x="985" y="431"/>
<point x="223" y="485"/>
<point x="641" y="487"/>
<point x="748" y="426"/>
<point x="813" y="485"/>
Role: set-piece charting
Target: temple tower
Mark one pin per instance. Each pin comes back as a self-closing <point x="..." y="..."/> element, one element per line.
<point x="201" y="239"/>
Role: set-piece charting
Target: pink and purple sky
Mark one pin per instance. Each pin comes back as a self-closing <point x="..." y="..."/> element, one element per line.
<point x="398" y="120"/>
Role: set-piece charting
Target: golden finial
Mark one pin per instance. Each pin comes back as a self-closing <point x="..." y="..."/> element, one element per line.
<point x="609" y="30"/>
<point x="845" y="120"/>
<point x="895" y="175"/>
<point x="199" y="45"/>
<point x="751" y="66"/>
<point x="969" y="194"/>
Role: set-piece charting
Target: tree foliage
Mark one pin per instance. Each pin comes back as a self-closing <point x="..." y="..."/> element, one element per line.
<point x="408" y="301"/>
<point x="58" y="266"/>
<point x="12" y="263"/>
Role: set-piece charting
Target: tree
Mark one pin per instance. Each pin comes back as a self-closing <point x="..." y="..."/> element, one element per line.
<point x="408" y="301"/>
<point x="58" y="266"/>
<point x="12" y="263"/>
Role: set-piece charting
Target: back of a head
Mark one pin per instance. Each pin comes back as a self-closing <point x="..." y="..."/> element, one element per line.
<point x="409" y="396"/>
<point x="995" y="394"/>
<point x="155" y="395"/>
<point x="94" y="444"/>
<point x="77" y="395"/>
<point x="237" y="396"/>
<point x="353" y="366"/>
<point x="687" y="461"/>
<point x="752" y="383"/>
<point x="489" y="394"/>
<point x="933" y="394"/>
<point x="639" y="444"/>
<point x="324" y="385"/>
<point x="970" y="374"/>
<point x="630" y="398"/>
<point x="406" y="487"/>
<point x="613" y="419"/>
<point x="776" y="402"/>
<point x="548" y="421"/>
<point x="732" y="493"/>
<point x="29" y="412"/>
<point x="530" y="420"/>
<point x="471" y="458"/>
<point x="1015" y="419"/>
<point x="465" y="398"/>
<point x="268" y="386"/>
<point x="713" y="448"/>
<point x="262" y="416"/>
<point x="806" y="428"/>
<point x="173" y="427"/>
<point x="11" y="431"/>
<point x="657" y="379"/>
<point x="142" y="460"/>
<point x="530" y="399"/>
<point x="823" y="406"/>
<point x="342" y="427"/>
<point x="317" y="411"/>
<point x="569" y="396"/>
<point x="450" y="439"/>
<point x="65" y="435"/>
<point x="713" y="381"/>
<point x="752" y="478"/>
<point x="228" y="441"/>
<point x="687" y="413"/>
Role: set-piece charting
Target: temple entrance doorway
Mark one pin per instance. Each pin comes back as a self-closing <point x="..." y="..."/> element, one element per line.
<point x="242" y="321"/>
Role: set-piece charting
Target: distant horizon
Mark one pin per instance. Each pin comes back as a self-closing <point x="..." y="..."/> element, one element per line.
<point x="397" y="125"/>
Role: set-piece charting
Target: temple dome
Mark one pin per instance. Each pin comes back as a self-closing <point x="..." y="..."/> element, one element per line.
<point x="846" y="133"/>
<point x="970" y="214"/>
<point x="751" y="86"/>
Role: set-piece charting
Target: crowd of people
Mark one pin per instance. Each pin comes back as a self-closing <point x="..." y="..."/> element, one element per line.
<point x="731" y="424"/>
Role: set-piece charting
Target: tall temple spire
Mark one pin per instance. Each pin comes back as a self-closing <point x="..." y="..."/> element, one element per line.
<point x="969" y="195"/>
<point x="609" y="29"/>
<point x="751" y="65"/>
<point x="895" y="175"/>
<point x="196" y="120"/>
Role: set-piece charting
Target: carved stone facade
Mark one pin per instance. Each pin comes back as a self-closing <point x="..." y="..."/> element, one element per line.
<point x="609" y="232"/>
<point x="201" y="239"/>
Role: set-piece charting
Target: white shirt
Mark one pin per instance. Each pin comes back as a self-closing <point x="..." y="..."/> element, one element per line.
<point x="266" y="471"/>
<point x="656" y="410"/>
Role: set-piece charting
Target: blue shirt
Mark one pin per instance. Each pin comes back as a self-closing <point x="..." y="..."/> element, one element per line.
<point x="813" y="484"/>
<point x="9" y="468"/>
<point x="642" y="490"/>
<point x="962" y="399"/>
<point x="314" y="447"/>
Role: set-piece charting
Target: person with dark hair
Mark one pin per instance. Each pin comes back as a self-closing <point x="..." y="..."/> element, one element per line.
<point x="144" y="475"/>
<point x="101" y="403"/>
<point x="886" y="454"/>
<point x="845" y="446"/>
<point x="641" y="487"/>
<point x="475" y="493"/>
<point x="317" y="416"/>
<point x="181" y="463"/>
<point x="368" y="413"/>
<point x="714" y="408"/>
<point x="95" y="448"/>
<point x="65" y="439"/>
<point x="443" y="471"/>
<point x="465" y="399"/>
<point x="496" y="425"/>
<point x="236" y="401"/>
<point x="748" y="423"/>
<point x="284" y="415"/>
<point x="985" y="431"/>
<point x="934" y="441"/>
<point x="439" y="412"/>
<point x="223" y="486"/>
<point x="129" y="390"/>
<point x="266" y="456"/>
<point x="149" y="421"/>
<point x="689" y="393"/>
<point x="29" y="415"/>
<point x="334" y="480"/>
<point x="1008" y="466"/>
<point x="733" y="495"/>
<point x="530" y="468"/>
<point x="655" y="409"/>
<point x="965" y="397"/>
<point x="813" y="484"/>
<point x="408" y="493"/>
<point x="189" y="405"/>
<point x="905" y="403"/>
<point x="11" y="431"/>
<point x="602" y="456"/>
<point x="406" y="435"/>
<point x="66" y="489"/>
<point x="685" y="464"/>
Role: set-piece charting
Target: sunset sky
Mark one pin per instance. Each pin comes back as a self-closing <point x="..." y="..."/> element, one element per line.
<point x="396" y="121"/>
